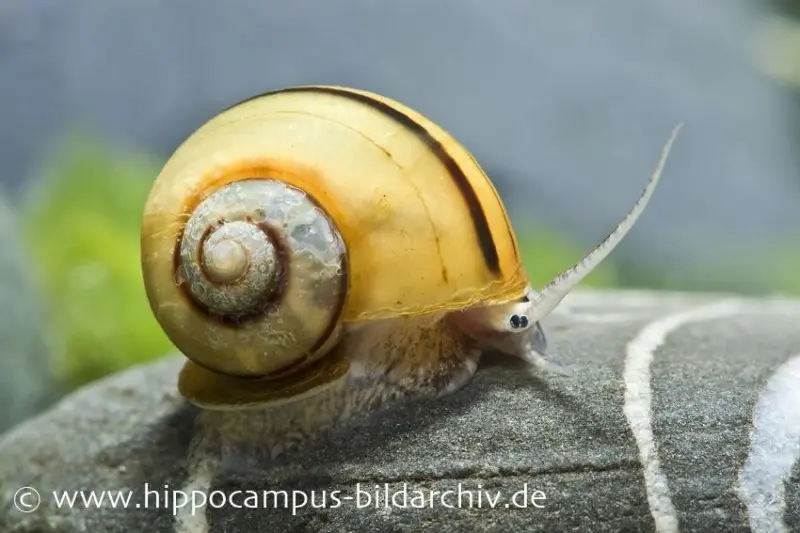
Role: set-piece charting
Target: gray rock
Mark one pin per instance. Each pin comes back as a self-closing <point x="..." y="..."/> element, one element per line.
<point x="724" y="413"/>
<point x="560" y="101"/>
<point x="26" y="383"/>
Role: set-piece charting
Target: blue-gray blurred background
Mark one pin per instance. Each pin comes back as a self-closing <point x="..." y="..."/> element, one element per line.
<point x="566" y="104"/>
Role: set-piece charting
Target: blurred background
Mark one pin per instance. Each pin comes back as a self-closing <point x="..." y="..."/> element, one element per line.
<point x="566" y="104"/>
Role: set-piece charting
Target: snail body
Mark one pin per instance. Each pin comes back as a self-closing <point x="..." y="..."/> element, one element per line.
<point x="314" y="238"/>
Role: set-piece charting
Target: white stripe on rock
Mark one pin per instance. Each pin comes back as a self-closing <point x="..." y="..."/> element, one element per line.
<point x="638" y="400"/>
<point x="774" y="449"/>
<point x="189" y="518"/>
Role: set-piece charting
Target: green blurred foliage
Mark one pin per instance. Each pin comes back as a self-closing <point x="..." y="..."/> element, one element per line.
<point x="785" y="268"/>
<point x="546" y="253"/>
<point x="82" y="228"/>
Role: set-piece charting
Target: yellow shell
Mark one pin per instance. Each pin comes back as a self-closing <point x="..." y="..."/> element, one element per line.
<point x="424" y="228"/>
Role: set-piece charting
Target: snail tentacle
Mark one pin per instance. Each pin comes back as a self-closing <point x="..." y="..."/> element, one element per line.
<point x="554" y="292"/>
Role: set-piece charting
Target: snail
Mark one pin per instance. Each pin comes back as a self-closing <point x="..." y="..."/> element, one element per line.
<point x="316" y="251"/>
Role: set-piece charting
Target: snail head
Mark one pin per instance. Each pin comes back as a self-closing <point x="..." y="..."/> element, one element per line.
<point x="515" y="328"/>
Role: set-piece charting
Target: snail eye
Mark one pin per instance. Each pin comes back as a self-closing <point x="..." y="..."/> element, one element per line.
<point x="518" y="322"/>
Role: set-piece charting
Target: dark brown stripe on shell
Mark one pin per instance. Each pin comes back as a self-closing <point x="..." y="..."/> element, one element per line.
<point x="481" y="224"/>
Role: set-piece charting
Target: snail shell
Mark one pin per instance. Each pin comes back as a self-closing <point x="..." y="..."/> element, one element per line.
<point x="293" y="215"/>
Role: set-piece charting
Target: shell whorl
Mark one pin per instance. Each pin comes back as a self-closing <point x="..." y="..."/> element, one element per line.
<point x="261" y="257"/>
<point x="245" y="287"/>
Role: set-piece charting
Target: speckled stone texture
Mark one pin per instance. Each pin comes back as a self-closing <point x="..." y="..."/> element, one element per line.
<point x="704" y="378"/>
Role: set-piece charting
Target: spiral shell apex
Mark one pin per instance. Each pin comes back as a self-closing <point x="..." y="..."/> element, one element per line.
<point x="262" y="260"/>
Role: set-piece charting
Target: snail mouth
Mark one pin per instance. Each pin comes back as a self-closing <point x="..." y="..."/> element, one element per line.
<point x="214" y="391"/>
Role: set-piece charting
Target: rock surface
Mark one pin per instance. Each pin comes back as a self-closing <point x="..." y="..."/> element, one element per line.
<point x="682" y="413"/>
